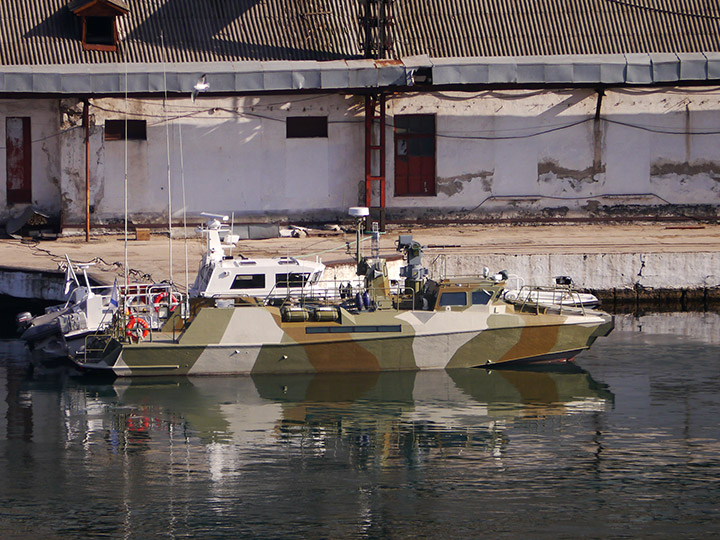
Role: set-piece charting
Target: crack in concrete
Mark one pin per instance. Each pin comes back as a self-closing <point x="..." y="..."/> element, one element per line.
<point x="642" y="265"/>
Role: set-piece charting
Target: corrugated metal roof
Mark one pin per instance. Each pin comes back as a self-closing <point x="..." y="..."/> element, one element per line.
<point x="173" y="31"/>
<point x="33" y="33"/>
<point x="445" y="28"/>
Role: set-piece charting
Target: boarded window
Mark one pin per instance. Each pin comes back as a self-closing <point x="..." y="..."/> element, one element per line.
<point x="415" y="154"/>
<point x="115" y="130"/>
<point x="307" y="127"/>
<point x="248" y="281"/>
<point x="18" y="159"/>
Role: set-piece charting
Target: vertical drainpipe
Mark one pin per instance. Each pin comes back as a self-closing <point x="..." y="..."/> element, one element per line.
<point x="597" y="133"/>
<point x="86" y="123"/>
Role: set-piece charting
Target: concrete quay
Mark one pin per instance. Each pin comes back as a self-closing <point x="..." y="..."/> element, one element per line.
<point x="619" y="262"/>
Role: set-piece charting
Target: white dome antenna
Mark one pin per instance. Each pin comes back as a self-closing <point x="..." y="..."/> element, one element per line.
<point x="359" y="211"/>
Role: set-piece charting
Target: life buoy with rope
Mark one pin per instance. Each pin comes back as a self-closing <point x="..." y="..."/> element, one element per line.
<point x="161" y="299"/>
<point x="137" y="328"/>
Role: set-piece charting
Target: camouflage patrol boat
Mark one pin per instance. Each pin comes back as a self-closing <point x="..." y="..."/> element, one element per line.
<point x="458" y="322"/>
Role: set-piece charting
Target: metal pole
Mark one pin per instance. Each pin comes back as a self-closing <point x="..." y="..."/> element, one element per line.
<point x="86" y="123"/>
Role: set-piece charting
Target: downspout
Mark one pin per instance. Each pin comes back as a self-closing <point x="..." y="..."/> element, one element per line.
<point x="86" y="123"/>
<point x="597" y="134"/>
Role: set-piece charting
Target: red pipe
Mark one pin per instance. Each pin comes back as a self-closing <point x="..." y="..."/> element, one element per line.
<point x="86" y="123"/>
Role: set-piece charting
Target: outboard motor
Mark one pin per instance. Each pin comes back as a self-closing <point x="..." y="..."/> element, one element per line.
<point x="23" y="320"/>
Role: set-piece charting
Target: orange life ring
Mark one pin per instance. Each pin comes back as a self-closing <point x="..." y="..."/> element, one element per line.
<point x="160" y="298"/>
<point x="137" y="328"/>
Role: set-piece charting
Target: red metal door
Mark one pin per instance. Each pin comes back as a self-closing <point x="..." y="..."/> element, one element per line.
<point x="415" y="154"/>
<point x="18" y="159"/>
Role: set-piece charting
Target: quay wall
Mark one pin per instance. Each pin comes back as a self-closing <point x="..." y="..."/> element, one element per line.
<point x="32" y="284"/>
<point x="616" y="276"/>
<point x="597" y="271"/>
<point x="674" y="278"/>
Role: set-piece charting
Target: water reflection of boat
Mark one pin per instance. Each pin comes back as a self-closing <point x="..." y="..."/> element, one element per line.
<point x="562" y="390"/>
<point x="459" y="407"/>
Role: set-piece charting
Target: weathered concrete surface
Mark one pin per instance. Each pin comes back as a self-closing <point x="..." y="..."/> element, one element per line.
<point x="598" y="257"/>
<point x="40" y="285"/>
<point x="594" y="271"/>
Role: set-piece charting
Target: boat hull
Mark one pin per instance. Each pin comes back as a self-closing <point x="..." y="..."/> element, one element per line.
<point x="255" y="340"/>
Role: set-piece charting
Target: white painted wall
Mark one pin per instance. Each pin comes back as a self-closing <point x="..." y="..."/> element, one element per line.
<point x="498" y="153"/>
<point x="45" y="134"/>
<point x="235" y="158"/>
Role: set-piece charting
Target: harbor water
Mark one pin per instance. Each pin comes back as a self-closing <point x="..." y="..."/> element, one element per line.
<point x="627" y="445"/>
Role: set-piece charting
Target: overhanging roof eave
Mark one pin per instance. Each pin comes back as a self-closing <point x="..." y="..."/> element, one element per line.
<point x="346" y="75"/>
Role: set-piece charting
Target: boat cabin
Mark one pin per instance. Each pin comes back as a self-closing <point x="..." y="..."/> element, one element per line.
<point x="272" y="277"/>
<point x="225" y="275"/>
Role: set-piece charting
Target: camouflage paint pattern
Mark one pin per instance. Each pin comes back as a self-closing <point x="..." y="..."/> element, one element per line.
<point x="254" y="339"/>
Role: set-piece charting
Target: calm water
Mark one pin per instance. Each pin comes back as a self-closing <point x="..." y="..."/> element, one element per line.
<point x="627" y="447"/>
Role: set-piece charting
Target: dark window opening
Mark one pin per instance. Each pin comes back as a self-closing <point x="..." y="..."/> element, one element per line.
<point x="100" y="30"/>
<point x="415" y="154"/>
<point x="291" y="280"/>
<point x="307" y="127"/>
<point x="481" y="297"/>
<point x="248" y="281"/>
<point x="115" y="130"/>
<point x="453" y="299"/>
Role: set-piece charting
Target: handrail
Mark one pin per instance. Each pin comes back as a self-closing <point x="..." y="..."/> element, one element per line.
<point x="526" y="296"/>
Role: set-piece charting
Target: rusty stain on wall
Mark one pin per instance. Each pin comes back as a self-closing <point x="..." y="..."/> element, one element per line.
<point x="452" y="185"/>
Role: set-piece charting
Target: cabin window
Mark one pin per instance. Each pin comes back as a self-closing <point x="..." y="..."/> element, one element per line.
<point x="291" y="279"/>
<point x="305" y="127"/>
<point x="18" y="159"/>
<point x="415" y="154"/>
<point x="481" y="297"/>
<point x="453" y="299"/>
<point x="115" y="130"/>
<point x="248" y="281"/>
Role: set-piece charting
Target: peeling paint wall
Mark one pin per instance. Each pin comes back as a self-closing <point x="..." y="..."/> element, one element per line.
<point x="523" y="153"/>
<point x="498" y="154"/>
<point x="45" y="132"/>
